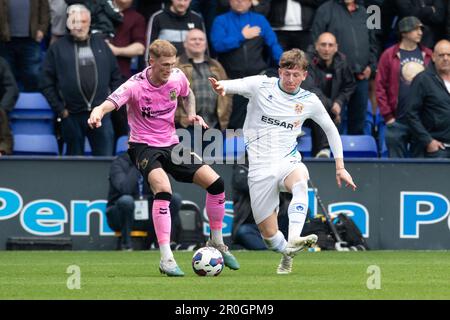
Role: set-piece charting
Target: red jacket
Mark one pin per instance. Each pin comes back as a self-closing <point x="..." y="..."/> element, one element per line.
<point x="387" y="80"/>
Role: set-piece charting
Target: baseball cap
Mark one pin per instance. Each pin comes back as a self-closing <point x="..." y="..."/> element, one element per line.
<point x="408" y="24"/>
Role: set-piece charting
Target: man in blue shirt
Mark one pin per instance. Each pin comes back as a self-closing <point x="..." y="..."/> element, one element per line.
<point x="240" y="37"/>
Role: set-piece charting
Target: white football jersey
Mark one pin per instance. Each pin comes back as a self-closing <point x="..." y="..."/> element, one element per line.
<point x="274" y="119"/>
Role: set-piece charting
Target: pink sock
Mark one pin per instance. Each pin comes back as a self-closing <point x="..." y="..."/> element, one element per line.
<point x="215" y="209"/>
<point x="161" y="220"/>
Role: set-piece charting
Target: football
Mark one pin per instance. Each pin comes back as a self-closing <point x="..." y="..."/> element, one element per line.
<point x="207" y="261"/>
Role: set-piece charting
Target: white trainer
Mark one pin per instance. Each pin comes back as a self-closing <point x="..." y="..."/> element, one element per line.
<point x="285" y="266"/>
<point x="170" y="268"/>
<point x="299" y="244"/>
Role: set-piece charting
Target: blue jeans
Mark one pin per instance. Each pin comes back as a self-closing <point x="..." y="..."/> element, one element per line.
<point x="398" y="137"/>
<point x="120" y="218"/>
<point x="75" y="128"/>
<point x="357" y="108"/>
<point x="24" y="58"/>
<point x="249" y="237"/>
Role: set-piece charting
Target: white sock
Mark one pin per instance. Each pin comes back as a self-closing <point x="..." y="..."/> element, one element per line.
<point x="276" y="243"/>
<point x="216" y="236"/>
<point x="298" y="209"/>
<point x="166" y="252"/>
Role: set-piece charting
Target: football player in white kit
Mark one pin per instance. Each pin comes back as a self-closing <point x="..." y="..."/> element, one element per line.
<point x="275" y="114"/>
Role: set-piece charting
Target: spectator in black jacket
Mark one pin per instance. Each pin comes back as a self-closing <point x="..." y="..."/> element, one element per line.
<point x="9" y="92"/>
<point x="332" y="75"/>
<point x="79" y="72"/>
<point x="130" y="203"/>
<point x="429" y="104"/>
<point x="172" y="24"/>
<point x="347" y="21"/>
<point x="292" y="21"/>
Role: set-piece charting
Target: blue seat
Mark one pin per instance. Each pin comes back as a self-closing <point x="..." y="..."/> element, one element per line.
<point x="31" y="105"/>
<point x="122" y="145"/>
<point x="359" y="146"/>
<point x="304" y="146"/>
<point x="35" y="144"/>
<point x="233" y="147"/>
<point x="32" y="126"/>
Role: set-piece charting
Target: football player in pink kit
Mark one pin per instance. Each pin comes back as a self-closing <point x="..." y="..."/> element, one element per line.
<point x="151" y="98"/>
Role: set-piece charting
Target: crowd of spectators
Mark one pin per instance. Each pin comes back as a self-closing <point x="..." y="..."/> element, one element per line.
<point x="75" y="52"/>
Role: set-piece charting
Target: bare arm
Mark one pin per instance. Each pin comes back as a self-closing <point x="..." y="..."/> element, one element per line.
<point x="188" y="104"/>
<point x="134" y="49"/>
<point x="97" y="114"/>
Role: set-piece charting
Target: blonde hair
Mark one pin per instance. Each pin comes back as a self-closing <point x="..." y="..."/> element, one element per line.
<point x="162" y="48"/>
<point x="294" y="58"/>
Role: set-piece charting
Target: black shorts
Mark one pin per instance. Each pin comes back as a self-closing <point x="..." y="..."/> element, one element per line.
<point x="147" y="158"/>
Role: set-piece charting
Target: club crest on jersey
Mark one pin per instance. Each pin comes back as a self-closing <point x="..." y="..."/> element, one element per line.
<point x="299" y="108"/>
<point x="173" y="95"/>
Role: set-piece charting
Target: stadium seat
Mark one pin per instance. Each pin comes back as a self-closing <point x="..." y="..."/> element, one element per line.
<point x="359" y="146"/>
<point x="233" y="147"/>
<point x="32" y="105"/>
<point x="32" y="126"/>
<point x="122" y="145"/>
<point x="304" y="145"/>
<point x="35" y="144"/>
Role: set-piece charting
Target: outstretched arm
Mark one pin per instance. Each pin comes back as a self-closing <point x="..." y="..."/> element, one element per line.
<point x="342" y="175"/>
<point x="97" y="114"/>
<point x="322" y="118"/>
<point x="217" y="87"/>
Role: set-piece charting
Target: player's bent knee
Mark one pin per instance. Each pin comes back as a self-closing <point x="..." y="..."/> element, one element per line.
<point x="217" y="187"/>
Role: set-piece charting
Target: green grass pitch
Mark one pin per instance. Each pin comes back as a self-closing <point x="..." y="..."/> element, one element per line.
<point x="316" y="275"/>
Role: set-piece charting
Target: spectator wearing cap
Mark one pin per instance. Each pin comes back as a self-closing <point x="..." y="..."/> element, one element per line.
<point x="397" y="67"/>
<point x="428" y="111"/>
